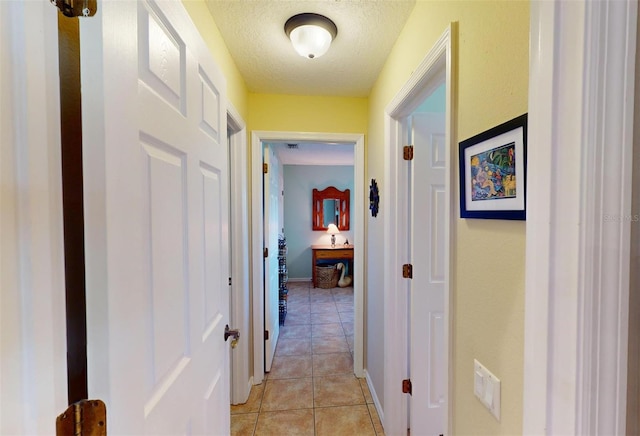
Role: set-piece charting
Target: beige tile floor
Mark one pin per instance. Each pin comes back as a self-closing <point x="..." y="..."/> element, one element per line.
<point x="311" y="389"/>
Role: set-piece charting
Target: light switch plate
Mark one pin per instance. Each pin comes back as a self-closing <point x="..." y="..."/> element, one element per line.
<point x="486" y="387"/>
<point x="478" y="388"/>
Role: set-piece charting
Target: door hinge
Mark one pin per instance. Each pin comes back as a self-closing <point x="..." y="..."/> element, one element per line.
<point x="86" y="417"/>
<point x="76" y="8"/>
<point x="407" y="271"/>
<point x="229" y="281"/>
<point x="406" y="386"/>
<point x="265" y="168"/>
<point x="265" y="253"/>
<point x="266" y="335"/>
<point x="407" y="152"/>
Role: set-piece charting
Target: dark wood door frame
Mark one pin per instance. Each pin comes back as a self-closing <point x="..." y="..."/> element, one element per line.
<point x="73" y="206"/>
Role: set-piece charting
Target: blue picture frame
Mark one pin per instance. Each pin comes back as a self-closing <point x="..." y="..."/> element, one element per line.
<point x="493" y="172"/>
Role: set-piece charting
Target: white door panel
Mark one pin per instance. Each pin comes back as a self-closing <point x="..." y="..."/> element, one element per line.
<point x="427" y="355"/>
<point x="33" y="360"/>
<point x="156" y="221"/>
<point x="271" y="226"/>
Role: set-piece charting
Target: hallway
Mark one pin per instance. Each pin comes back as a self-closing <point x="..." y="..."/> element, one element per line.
<point x="311" y="388"/>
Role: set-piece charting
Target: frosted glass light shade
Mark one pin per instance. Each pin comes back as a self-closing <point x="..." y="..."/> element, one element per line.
<point x="310" y="41"/>
<point x="310" y="34"/>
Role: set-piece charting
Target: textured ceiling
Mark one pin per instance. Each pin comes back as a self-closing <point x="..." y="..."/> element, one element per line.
<point x="253" y="31"/>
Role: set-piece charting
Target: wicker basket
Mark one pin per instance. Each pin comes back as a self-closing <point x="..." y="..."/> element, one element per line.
<point x="326" y="277"/>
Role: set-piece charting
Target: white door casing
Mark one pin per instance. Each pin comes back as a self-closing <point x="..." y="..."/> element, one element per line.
<point x="271" y="278"/>
<point x="436" y="67"/>
<point x="33" y="372"/>
<point x="240" y="307"/>
<point x="427" y="289"/>
<point x="156" y="211"/>
<point x="577" y="258"/>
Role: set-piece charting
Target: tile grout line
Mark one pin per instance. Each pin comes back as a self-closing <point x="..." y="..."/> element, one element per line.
<point x="313" y="355"/>
<point x="313" y="379"/>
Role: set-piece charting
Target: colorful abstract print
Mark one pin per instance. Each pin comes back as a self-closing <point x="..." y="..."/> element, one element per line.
<point x="493" y="173"/>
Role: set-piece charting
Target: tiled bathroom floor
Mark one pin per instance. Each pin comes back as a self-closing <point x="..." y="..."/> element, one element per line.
<point x="311" y="389"/>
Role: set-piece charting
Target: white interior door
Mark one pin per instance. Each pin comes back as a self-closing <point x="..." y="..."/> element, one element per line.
<point x="156" y="199"/>
<point x="271" y="227"/>
<point x="427" y="319"/>
<point x="33" y="361"/>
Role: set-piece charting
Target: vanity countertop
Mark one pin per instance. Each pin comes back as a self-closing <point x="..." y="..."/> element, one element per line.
<point x="329" y="247"/>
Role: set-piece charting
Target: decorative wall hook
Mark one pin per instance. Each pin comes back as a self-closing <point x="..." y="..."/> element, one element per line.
<point x="374" y="198"/>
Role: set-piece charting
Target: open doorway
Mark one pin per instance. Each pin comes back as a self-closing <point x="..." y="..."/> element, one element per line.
<point x="357" y="211"/>
<point x="420" y="195"/>
<point x="294" y="174"/>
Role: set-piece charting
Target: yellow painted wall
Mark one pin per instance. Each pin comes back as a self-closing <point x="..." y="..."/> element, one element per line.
<point x="488" y="298"/>
<point x="300" y="113"/>
<point x="236" y="87"/>
<point x="278" y="112"/>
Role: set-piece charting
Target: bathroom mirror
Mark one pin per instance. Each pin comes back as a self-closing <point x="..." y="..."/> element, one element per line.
<point x="331" y="211"/>
<point x="330" y="206"/>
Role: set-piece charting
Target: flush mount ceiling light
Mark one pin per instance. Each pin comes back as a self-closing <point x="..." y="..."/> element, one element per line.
<point x="310" y="34"/>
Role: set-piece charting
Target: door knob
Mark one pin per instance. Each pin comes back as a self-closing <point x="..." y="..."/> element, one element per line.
<point x="234" y="333"/>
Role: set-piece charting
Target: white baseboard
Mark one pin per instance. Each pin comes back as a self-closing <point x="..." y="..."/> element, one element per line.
<point x="376" y="402"/>
<point x="303" y="279"/>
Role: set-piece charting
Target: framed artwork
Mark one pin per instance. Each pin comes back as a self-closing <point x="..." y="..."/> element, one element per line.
<point x="493" y="172"/>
